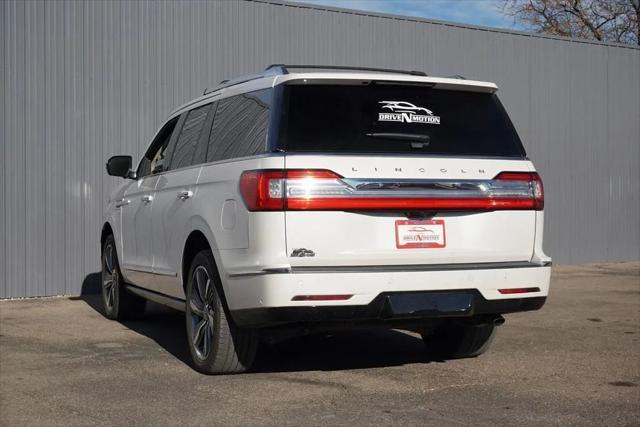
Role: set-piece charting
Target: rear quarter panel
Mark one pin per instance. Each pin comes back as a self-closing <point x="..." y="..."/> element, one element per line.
<point x="241" y="240"/>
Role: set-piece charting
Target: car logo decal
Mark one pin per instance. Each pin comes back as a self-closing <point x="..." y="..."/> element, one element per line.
<point x="406" y="112"/>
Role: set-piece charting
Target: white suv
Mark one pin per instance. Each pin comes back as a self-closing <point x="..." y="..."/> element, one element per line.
<point x="287" y="202"/>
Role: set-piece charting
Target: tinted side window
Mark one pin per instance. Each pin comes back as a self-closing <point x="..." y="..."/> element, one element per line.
<point x="187" y="142"/>
<point x="153" y="160"/>
<point x="240" y="126"/>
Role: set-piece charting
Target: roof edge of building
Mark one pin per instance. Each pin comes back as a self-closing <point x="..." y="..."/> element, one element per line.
<point x="302" y="5"/>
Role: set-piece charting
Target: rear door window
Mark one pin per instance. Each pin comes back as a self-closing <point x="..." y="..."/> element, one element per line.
<point x="396" y="118"/>
<point x="187" y="143"/>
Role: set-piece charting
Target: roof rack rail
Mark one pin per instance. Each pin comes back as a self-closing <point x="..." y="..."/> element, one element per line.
<point x="232" y="82"/>
<point x="284" y="69"/>
<point x="281" y="69"/>
<point x="458" y="76"/>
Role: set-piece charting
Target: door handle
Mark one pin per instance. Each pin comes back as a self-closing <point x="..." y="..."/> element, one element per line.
<point x="122" y="202"/>
<point x="147" y="199"/>
<point x="185" y="194"/>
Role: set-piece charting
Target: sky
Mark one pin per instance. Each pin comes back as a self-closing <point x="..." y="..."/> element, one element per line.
<point x="476" y="12"/>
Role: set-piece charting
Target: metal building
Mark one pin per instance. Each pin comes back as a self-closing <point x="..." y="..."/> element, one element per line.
<point x="81" y="81"/>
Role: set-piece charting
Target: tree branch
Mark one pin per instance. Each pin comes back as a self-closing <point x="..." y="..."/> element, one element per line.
<point x="603" y="20"/>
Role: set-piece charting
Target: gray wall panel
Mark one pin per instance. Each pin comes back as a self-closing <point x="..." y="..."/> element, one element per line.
<point x="55" y="64"/>
<point x="3" y="150"/>
<point x="623" y="125"/>
<point x="81" y="81"/>
<point x="37" y="153"/>
<point x="15" y="143"/>
<point x="73" y="148"/>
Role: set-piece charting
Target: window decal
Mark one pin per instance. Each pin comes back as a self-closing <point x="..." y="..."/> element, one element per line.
<point x="406" y="112"/>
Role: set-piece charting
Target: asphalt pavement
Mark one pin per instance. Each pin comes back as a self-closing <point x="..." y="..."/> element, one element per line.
<point x="575" y="362"/>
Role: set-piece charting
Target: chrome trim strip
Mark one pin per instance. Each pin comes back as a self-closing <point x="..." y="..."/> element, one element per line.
<point x="137" y="269"/>
<point x="246" y="274"/>
<point x="414" y="268"/>
<point x="409" y="188"/>
<point x="175" y="303"/>
<point x="163" y="273"/>
<point x="268" y="270"/>
<point x="391" y="268"/>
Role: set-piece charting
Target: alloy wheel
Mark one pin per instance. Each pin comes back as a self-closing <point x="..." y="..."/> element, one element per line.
<point x="109" y="276"/>
<point x="202" y="312"/>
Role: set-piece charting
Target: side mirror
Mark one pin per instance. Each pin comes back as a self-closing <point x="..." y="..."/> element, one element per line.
<point x="120" y="166"/>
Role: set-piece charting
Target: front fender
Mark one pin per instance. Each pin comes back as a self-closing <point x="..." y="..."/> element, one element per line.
<point x="112" y="216"/>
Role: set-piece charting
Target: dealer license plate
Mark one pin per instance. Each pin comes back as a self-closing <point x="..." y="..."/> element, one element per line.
<point x="411" y="234"/>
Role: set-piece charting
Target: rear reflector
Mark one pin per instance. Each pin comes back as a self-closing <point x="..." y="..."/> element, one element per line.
<point x="321" y="297"/>
<point x="518" y="290"/>
<point x="323" y="190"/>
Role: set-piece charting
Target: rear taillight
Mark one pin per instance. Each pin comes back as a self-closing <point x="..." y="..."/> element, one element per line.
<point x="323" y="190"/>
<point x="262" y="190"/>
<point x="292" y="189"/>
<point x="535" y="184"/>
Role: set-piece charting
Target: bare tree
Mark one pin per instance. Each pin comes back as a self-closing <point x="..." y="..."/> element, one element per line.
<point x="604" y="20"/>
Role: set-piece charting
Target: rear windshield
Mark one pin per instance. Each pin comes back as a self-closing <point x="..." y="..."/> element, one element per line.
<point x="392" y="118"/>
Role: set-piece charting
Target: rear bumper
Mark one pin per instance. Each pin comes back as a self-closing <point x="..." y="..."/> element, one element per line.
<point x="388" y="307"/>
<point x="264" y="299"/>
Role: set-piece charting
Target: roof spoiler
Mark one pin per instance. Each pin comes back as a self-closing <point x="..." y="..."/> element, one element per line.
<point x="282" y="69"/>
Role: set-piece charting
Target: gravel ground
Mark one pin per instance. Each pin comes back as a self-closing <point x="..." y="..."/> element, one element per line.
<point x="576" y="361"/>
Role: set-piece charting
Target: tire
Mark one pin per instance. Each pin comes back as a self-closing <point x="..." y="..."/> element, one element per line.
<point x="118" y="304"/>
<point x="457" y="340"/>
<point x="216" y="345"/>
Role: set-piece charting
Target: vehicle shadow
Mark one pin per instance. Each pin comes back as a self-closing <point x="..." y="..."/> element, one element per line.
<point x="162" y="324"/>
<point x="352" y="349"/>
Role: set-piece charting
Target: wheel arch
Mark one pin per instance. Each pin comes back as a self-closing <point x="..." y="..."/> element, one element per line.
<point x="196" y="232"/>
<point x="107" y="229"/>
<point x="196" y="241"/>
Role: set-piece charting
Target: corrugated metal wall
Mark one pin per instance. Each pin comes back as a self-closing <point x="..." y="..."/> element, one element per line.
<point x="81" y="81"/>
